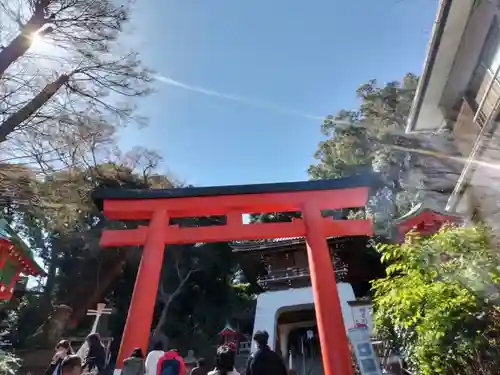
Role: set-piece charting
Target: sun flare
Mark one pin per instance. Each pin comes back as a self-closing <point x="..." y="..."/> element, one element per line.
<point x="38" y="43"/>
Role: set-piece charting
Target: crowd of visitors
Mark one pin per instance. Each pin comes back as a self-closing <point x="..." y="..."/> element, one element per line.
<point x="65" y="362"/>
<point x="263" y="361"/>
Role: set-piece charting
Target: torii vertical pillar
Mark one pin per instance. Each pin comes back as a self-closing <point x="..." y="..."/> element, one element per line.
<point x="137" y="328"/>
<point x="332" y="333"/>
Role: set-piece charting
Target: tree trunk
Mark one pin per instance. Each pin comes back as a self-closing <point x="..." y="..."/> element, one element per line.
<point x="86" y="295"/>
<point x="20" y="45"/>
<point x="51" y="331"/>
<point x="16" y="119"/>
<point x="50" y="283"/>
<point x="163" y="317"/>
<point x="95" y="297"/>
<point x="167" y="301"/>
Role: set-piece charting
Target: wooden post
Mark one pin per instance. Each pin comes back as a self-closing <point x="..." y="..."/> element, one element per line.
<point x="332" y="333"/>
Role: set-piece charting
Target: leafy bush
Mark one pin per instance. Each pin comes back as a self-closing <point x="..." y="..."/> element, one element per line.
<point x="9" y="363"/>
<point x="438" y="302"/>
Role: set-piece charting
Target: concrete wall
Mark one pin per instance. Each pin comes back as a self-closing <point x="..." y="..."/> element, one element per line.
<point x="271" y="304"/>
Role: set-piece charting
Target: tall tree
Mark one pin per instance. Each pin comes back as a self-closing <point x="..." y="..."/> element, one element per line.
<point x="65" y="233"/>
<point x="73" y="24"/>
<point x="66" y="83"/>
<point x="50" y="203"/>
<point x="371" y="141"/>
<point x="82" y="67"/>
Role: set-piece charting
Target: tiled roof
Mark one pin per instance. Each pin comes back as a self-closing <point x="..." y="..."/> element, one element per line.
<point x="421" y="207"/>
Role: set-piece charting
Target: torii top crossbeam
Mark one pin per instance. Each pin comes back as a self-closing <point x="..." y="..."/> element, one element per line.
<point x="310" y="198"/>
<point x="232" y="201"/>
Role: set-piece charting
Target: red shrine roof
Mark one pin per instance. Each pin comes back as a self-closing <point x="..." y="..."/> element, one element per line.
<point x="425" y="218"/>
<point x="227" y="331"/>
<point x="18" y="249"/>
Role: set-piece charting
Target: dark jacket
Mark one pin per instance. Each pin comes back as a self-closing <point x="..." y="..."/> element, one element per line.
<point x="265" y="362"/>
<point x="53" y="365"/>
<point x="133" y="366"/>
<point x="96" y="358"/>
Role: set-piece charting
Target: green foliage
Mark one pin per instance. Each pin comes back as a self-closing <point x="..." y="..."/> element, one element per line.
<point x="438" y="303"/>
<point x="9" y="363"/>
<point x="362" y="142"/>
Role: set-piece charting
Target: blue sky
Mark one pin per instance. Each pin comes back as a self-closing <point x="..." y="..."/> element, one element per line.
<point x="247" y="82"/>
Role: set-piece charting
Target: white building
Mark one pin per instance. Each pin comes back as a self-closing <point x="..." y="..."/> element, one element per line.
<point x="458" y="99"/>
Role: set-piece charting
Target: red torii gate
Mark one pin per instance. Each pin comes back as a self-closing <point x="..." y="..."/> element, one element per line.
<point x="310" y="198"/>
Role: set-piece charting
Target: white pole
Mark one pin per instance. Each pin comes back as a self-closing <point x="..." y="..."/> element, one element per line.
<point x="100" y="311"/>
<point x="303" y="356"/>
<point x="96" y="323"/>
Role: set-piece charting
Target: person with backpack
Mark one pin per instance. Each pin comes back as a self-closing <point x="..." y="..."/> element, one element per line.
<point x="264" y="361"/>
<point x="171" y="363"/>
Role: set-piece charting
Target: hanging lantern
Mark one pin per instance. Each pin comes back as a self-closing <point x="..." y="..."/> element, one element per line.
<point x="16" y="258"/>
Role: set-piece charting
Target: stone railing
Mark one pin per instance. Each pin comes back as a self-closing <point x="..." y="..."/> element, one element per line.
<point x="245" y="347"/>
<point x="290" y="274"/>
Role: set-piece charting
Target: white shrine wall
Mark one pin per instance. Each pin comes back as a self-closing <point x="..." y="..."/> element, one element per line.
<point x="271" y="304"/>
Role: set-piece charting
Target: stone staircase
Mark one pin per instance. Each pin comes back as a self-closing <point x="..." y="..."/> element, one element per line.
<point x="311" y="366"/>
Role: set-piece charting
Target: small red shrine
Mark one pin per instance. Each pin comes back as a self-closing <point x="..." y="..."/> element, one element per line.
<point x="424" y="220"/>
<point x="230" y="337"/>
<point x="15" y="259"/>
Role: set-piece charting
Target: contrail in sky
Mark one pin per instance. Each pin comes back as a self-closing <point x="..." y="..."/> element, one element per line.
<point x="236" y="98"/>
